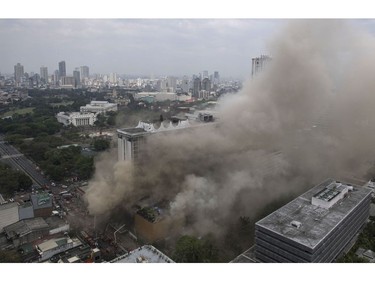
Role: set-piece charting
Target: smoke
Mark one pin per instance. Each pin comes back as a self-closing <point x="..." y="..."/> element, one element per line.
<point x="307" y="116"/>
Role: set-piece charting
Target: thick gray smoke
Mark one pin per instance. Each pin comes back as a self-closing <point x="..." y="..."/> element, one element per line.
<point x="307" y="116"/>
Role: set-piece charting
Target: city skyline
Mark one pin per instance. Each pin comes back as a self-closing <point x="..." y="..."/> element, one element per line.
<point x="153" y="47"/>
<point x="136" y="46"/>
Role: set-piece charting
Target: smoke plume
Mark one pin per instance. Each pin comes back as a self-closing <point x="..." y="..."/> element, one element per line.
<point x="307" y="116"/>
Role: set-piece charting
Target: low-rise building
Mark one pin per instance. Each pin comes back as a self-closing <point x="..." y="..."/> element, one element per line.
<point x="55" y="246"/>
<point x="143" y="254"/>
<point x="42" y="204"/>
<point x="99" y="107"/>
<point x="8" y="214"/>
<point x="26" y="231"/>
<point x="76" y="119"/>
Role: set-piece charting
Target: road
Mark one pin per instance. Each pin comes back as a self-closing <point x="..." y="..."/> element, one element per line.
<point x="11" y="156"/>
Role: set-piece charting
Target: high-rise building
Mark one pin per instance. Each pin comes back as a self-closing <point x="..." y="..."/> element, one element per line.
<point x="84" y="72"/>
<point x="77" y="78"/>
<point x="204" y="74"/>
<point x="206" y="84"/>
<point x="316" y="226"/>
<point x="56" y="77"/>
<point x="44" y="74"/>
<point x="196" y="87"/>
<point x="258" y="64"/>
<point x="185" y="85"/>
<point x="113" y="78"/>
<point x="171" y="84"/>
<point x="62" y="69"/>
<point x="18" y="72"/>
<point x="216" y="79"/>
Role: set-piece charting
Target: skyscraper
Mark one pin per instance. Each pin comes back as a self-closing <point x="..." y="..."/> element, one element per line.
<point x="258" y="64"/>
<point x="216" y="77"/>
<point x="206" y="84"/>
<point x="113" y="78"/>
<point x="18" y="72"/>
<point x="77" y="78"/>
<point x="196" y="87"/>
<point x="62" y="69"/>
<point x="84" y="72"/>
<point x="44" y="74"/>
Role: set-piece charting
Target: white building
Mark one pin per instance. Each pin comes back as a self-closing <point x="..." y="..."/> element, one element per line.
<point x="99" y="107"/>
<point x="162" y="96"/>
<point x="76" y="118"/>
<point x="52" y="247"/>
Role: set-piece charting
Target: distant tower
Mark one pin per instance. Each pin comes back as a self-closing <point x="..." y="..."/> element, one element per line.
<point x="44" y="74"/>
<point x="216" y="78"/>
<point x="56" y="77"/>
<point x="77" y="78"/>
<point x="205" y="74"/>
<point x="171" y="84"/>
<point x="258" y="64"/>
<point x="18" y="72"/>
<point x="85" y="72"/>
<point x="62" y="69"/>
<point x="196" y="87"/>
<point x="113" y="78"/>
<point x="185" y="85"/>
<point x="206" y="84"/>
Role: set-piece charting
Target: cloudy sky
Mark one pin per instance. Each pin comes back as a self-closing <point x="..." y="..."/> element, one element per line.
<point x="126" y="45"/>
<point x="136" y="46"/>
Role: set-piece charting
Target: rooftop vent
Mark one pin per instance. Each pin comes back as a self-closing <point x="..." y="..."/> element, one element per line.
<point x="296" y="224"/>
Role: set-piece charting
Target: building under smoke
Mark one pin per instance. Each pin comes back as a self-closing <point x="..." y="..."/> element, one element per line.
<point x="131" y="140"/>
<point x="315" y="227"/>
<point x="258" y="64"/>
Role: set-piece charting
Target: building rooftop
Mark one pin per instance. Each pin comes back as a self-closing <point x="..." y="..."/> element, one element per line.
<point x="308" y="224"/>
<point x="25" y="227"/>
<point x="143" y="254"/>
<point x="132" y="131"/>
<point x="246" y="257"/>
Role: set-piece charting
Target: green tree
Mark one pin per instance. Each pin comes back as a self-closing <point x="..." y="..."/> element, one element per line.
<point x="101" y="144"/>
<point x="24" y="181"/>
<point x="10" y="256"/>
<point x="190" y="249"/>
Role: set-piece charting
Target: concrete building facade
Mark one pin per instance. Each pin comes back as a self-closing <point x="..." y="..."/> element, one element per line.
<point x="315" y="227"/>
<point x="99" y="107"/>
<point x="76" y="119"/>
<point x="44" y="74"/>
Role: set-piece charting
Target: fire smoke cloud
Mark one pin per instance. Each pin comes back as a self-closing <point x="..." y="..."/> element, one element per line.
<point x="307" y="116"/>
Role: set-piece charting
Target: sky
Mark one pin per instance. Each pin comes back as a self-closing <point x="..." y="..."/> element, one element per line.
<point x="136" y="46"/>
<point x="144" y="39"/>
